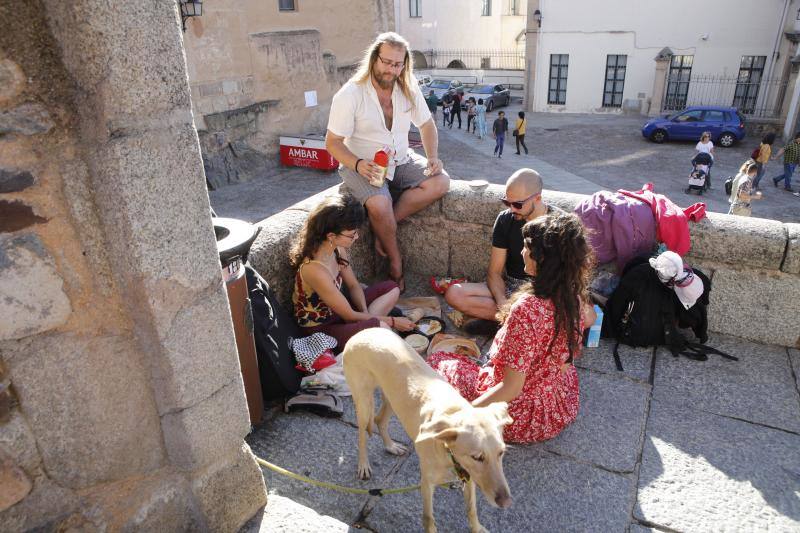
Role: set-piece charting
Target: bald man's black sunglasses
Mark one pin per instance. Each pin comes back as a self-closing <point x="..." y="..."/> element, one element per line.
<point x="518" y="204"/>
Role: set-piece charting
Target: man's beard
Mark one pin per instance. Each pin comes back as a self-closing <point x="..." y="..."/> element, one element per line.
<point x="380" y="79"/>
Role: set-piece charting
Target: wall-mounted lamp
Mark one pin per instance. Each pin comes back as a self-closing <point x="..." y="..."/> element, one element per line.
<point x="537" y="16"/>
<point x="190" y="8"/>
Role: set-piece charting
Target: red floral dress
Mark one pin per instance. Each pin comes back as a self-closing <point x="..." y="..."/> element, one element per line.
<point x="549" y="399"/>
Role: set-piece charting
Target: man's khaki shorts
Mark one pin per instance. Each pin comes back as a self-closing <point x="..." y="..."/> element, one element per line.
<point x="406" y="176"/>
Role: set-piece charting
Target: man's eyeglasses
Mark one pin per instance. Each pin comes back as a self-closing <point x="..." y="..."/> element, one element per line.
<point x="516" y="204"/>
<point x="392" y="64"/>
<point x="351" y="236"/>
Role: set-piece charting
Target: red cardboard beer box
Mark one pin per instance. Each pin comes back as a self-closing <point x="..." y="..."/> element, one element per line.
<point x="308" y="151"/>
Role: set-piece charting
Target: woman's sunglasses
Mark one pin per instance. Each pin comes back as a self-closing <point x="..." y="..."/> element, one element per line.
<point x="517" y="204"/>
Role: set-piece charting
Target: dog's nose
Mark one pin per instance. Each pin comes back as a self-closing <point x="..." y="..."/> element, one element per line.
<point x="503" y="500"/>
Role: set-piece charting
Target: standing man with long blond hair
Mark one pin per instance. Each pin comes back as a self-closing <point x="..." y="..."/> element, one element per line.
<point x="372" y="111"/>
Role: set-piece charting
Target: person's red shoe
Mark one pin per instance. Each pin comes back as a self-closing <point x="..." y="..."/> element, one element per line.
<point x="441" y="285"/>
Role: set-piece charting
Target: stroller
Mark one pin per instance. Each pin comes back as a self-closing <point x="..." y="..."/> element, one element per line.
<point x="700" y="177"/>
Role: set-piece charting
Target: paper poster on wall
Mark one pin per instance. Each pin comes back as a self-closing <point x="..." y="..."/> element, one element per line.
<point x="311" y="98"/>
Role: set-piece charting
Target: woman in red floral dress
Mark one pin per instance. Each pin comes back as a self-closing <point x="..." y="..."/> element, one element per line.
<point x="531" y="358"/>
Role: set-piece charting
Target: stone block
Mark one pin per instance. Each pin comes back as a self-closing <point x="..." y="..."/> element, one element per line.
<point x="229" y="494"/>
<point x="14" y="483"/>
<point x="284" y="514"/>
<point x="16" y="215"/>
<point x="702" y="472"/>
<point x="26" y="119"/>
<point x="269" y="254"/>
<point x="15" y="180"/>
<point x="42" y="508"/>
<point x="462" y="204"/>
<point x="32" y="298"/>
<point x="200" y="435"/>
<point x="741" y="241"/>
<point x="636" y="362"/>
<point x="550" y="493"/>
<point x="198" y="356"/>
<point x="139" y="179"/>
<point x="791" y="264"/>
<point x="758" y="387"/>
<point x="423" y="246"/>
<point x="109" y="54"/>
<point x="470" y="247"/>
<point x="161" y="502"/>
<point x="88" y="402"/>
<point x="12" y="80"/>
<point x="17" y="441"/>
<point x="610" y="423"/>
<point x="756" y="305"/>
<point x="563" y="200"/>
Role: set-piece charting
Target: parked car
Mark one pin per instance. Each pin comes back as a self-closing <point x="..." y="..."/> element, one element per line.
<point x="440" y="87"/>
<point x="424" y="80"/>
<point x="725" y="124"/>
<point x="493" y="95"/>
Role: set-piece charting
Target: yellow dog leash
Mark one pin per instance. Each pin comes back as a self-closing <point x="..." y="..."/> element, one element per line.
<point x="340" y="488"/>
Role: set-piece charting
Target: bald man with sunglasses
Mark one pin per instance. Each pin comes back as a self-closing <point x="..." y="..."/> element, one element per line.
<point x="506" y="272"/>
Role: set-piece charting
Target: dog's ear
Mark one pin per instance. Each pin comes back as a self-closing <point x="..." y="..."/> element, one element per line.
<point x="500" y="411"/>
<point x="441" y="428"/>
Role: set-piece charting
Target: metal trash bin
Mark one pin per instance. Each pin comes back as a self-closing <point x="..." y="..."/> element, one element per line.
<point x="234" y="238"/>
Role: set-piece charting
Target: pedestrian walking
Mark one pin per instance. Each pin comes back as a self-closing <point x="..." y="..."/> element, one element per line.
<point x="480" y="118"/>
<point x="519" y="131"/>
<point x="433" y="103"/>
<point x="447" y="108"/>
<point x="791" y="155"/>
<point x="764" y="153"/>
<point x="456" y="110"/>
<point x="742" y="190"/>
<point x="471" y="113"/>
<point x="499" y="129"/>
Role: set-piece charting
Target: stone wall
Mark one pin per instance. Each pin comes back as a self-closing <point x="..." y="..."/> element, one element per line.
<point x="754" y="263"/>
<point x="121" y="400"/>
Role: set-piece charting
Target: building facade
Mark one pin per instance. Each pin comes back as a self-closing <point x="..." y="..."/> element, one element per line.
<point x="643" y="56"/>
<point x="476" y="34"/>
<point x="251" y="63"/>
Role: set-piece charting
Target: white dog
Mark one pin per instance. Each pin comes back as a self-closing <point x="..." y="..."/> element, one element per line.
<point x="452" y="438"/>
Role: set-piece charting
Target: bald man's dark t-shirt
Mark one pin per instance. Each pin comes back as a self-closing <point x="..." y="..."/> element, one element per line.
<point x="507" y="234"/>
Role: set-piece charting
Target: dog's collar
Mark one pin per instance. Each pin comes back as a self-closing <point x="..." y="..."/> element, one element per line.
<point x="459" y="470"/>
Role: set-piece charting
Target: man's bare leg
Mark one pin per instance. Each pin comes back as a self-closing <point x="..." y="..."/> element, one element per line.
<point x="473" y="299"/>
<point x="420" y="197"/>
<point x="381" y="218"/>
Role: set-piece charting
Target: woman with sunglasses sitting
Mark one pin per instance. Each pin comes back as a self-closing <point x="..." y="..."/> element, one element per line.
<point x="321" y="256"/>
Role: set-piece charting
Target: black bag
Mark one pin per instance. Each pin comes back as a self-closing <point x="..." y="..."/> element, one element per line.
<point x="274" y="329"/>
<point x="729" y="185"/>
<point x="642" y="311"/>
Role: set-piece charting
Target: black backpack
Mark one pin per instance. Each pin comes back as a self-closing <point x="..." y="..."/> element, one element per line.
<point x="273" y="329"/>
<point x="642" y="311"/>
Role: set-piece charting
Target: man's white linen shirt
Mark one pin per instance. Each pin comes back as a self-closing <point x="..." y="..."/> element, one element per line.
<point x="357" y="116"/>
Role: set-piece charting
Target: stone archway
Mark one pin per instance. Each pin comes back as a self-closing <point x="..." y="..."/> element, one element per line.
<point x="418" y="59"/>
<point x="456" y="63"/>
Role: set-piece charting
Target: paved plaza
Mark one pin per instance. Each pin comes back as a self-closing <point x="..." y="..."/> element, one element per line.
<point x="574" y="153"/>
<point x="668" y="444"/>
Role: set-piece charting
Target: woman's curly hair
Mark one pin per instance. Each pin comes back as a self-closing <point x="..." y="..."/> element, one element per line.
<point x="334" y="214"/>
<point x="564" y="260"/>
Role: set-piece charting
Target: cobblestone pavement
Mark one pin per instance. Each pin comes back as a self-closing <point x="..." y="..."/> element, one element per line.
<point x="669" y="444"/>
<point x="574" y="153"/>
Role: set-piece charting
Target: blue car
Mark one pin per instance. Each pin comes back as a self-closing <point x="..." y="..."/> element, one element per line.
<point x="725" y="124"/>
